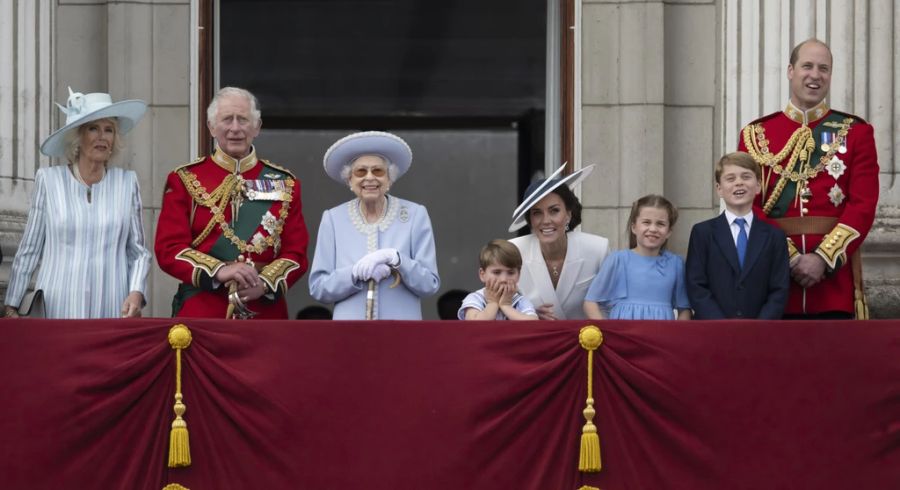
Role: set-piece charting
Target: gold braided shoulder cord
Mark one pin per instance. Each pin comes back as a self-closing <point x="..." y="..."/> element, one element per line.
<point x="758" y="146"/>
<point x="806" y="170"/>
<point x="217" y="202"/>
<point x="800" y="146"/>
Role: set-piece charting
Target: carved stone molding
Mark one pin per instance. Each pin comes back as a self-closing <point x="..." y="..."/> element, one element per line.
<point x="12" y="225"/>
<point x="881" y="257"/>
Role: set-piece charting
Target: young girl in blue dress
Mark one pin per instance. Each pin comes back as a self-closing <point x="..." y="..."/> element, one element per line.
<point x="645" y="282"/>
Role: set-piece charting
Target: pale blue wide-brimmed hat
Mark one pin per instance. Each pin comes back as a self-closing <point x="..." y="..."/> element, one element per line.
<point x="351" y="147"/>
<point x="540" y="189"/>
<point x="82" y="108"/>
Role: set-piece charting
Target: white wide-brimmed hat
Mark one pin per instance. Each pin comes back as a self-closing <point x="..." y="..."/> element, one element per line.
<point x="542" y="188"/>
<point x="351" y="147"/>
<point x="83" y="108"/>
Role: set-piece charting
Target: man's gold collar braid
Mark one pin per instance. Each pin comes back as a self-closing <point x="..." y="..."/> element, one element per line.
<point x="808" y="116"/>
<point x="225" y="161"/>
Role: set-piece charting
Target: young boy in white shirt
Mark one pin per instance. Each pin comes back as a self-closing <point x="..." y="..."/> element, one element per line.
<point x="499" y="299"/>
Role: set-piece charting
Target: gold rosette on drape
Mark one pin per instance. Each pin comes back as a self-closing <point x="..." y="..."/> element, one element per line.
<point x="179" y="445"/>
<point x="590" y="338"/>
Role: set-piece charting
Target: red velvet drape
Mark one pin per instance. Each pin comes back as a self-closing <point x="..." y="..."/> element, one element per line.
<point x="451" y="405"/>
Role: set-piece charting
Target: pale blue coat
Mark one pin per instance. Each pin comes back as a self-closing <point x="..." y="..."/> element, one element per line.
<point x="344" y="238"/>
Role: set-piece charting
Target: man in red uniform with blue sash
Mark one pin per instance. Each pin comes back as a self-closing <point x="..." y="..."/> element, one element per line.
<point x="820" y="185"/>
<point x="231" y="226"/>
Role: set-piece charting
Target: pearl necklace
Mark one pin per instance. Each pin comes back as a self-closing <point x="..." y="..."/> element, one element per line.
<point x="78" y="176"/>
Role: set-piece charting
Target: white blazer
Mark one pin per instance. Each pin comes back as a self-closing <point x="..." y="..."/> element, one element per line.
<point x="584" y="254"/>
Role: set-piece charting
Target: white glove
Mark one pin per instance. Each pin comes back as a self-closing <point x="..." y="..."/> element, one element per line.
<point x="364" y="269"/>
<point x="381" y="271"/>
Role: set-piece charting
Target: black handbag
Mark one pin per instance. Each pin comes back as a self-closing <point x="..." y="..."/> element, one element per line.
<point x="32" y="304"/>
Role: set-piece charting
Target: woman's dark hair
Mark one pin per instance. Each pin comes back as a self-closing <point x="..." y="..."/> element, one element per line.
<point x="569" y="201"/>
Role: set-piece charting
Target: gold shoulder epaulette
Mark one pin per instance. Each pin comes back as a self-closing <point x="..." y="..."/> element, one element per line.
<point x="278" y="167"/>
<point x="188" y="164"/>
<point x="764" y="118"/>
<point x="852" y="116"/>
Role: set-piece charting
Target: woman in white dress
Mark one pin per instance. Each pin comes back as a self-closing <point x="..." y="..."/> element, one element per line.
<point x="558" y="263"/>
<point x="84" y="225"/>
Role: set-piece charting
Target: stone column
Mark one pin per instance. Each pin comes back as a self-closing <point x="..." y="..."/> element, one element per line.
<point x="148" y="49"/>
<point x="25" y="114"/>
<point x="758" y="37"/>
<point x="129" y="48"/>
<point x="648" y="99"/>
<point x="622" y="109"/>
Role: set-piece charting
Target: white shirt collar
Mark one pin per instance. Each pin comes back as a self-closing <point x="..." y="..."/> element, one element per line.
<point x="731" y="217"/>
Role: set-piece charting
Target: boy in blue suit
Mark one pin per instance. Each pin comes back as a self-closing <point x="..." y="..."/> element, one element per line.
<point x="737" y="264"/>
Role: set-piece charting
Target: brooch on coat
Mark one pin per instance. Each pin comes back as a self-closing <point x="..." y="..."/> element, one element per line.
<point x="836" y="195"/>
<point x="836" y="167"/>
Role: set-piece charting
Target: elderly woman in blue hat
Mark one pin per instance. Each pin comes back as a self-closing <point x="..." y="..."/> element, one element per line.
<point x="84" y="225"/>
<point x="558" y="262"/>
<point x="374" y="256"/>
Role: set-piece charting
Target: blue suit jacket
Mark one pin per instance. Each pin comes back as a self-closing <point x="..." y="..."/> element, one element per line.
<point x="717" y="285"/>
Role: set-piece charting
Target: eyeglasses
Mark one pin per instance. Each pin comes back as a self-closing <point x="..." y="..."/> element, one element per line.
<point x="363" y="171"/>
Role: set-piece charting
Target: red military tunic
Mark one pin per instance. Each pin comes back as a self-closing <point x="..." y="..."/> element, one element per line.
<point x="820" y="184"/>
<point x="196" y="235"/>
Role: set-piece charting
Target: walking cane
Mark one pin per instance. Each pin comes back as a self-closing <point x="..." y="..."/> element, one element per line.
<point x="234" y="299"/>
<point x="370" y="300"/>
<point x="370" y="294"/>
<point x="232" y="289"/>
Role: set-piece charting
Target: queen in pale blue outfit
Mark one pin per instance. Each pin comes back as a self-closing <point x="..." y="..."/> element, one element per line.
<point x="375" y="255"/>
<point x="631" y="286"/>
<point x="84" y="226"/>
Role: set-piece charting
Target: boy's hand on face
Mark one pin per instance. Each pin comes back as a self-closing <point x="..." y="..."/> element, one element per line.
<point x="492" y="291"/>
<point x="509" y="290"/>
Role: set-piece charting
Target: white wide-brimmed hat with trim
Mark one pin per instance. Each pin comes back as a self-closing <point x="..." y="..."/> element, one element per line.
<point x="542" y="188"/>
<point x="82" y="108"/>
<point x="351" y="147"/>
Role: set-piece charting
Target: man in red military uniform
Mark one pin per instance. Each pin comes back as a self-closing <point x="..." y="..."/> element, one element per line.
<point x="820" y="185"/>
<point x="231" y="226"/>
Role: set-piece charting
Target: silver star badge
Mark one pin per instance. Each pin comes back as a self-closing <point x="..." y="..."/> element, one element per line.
<point x="268" y="222"/>
<point x="836" y="167"/>
<point x="836" y="195"/>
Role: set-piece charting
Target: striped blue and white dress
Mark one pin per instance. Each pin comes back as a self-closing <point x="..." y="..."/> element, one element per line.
<point x="91" y="254"/>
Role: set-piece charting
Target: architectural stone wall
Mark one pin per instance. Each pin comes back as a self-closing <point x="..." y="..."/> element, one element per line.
<point x="26" y="114"/>
<point x="649" y="111"/>
<point x="130" y="49"/>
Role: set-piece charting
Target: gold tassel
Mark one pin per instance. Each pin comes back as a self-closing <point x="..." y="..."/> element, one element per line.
<point x="179" y="445"/>
<point x="590" y="337"/>
<point x="175" y="486"/>
<point x="585" y="487"/>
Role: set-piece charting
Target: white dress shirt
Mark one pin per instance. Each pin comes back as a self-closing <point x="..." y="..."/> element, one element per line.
<point x="734" y="226"/>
